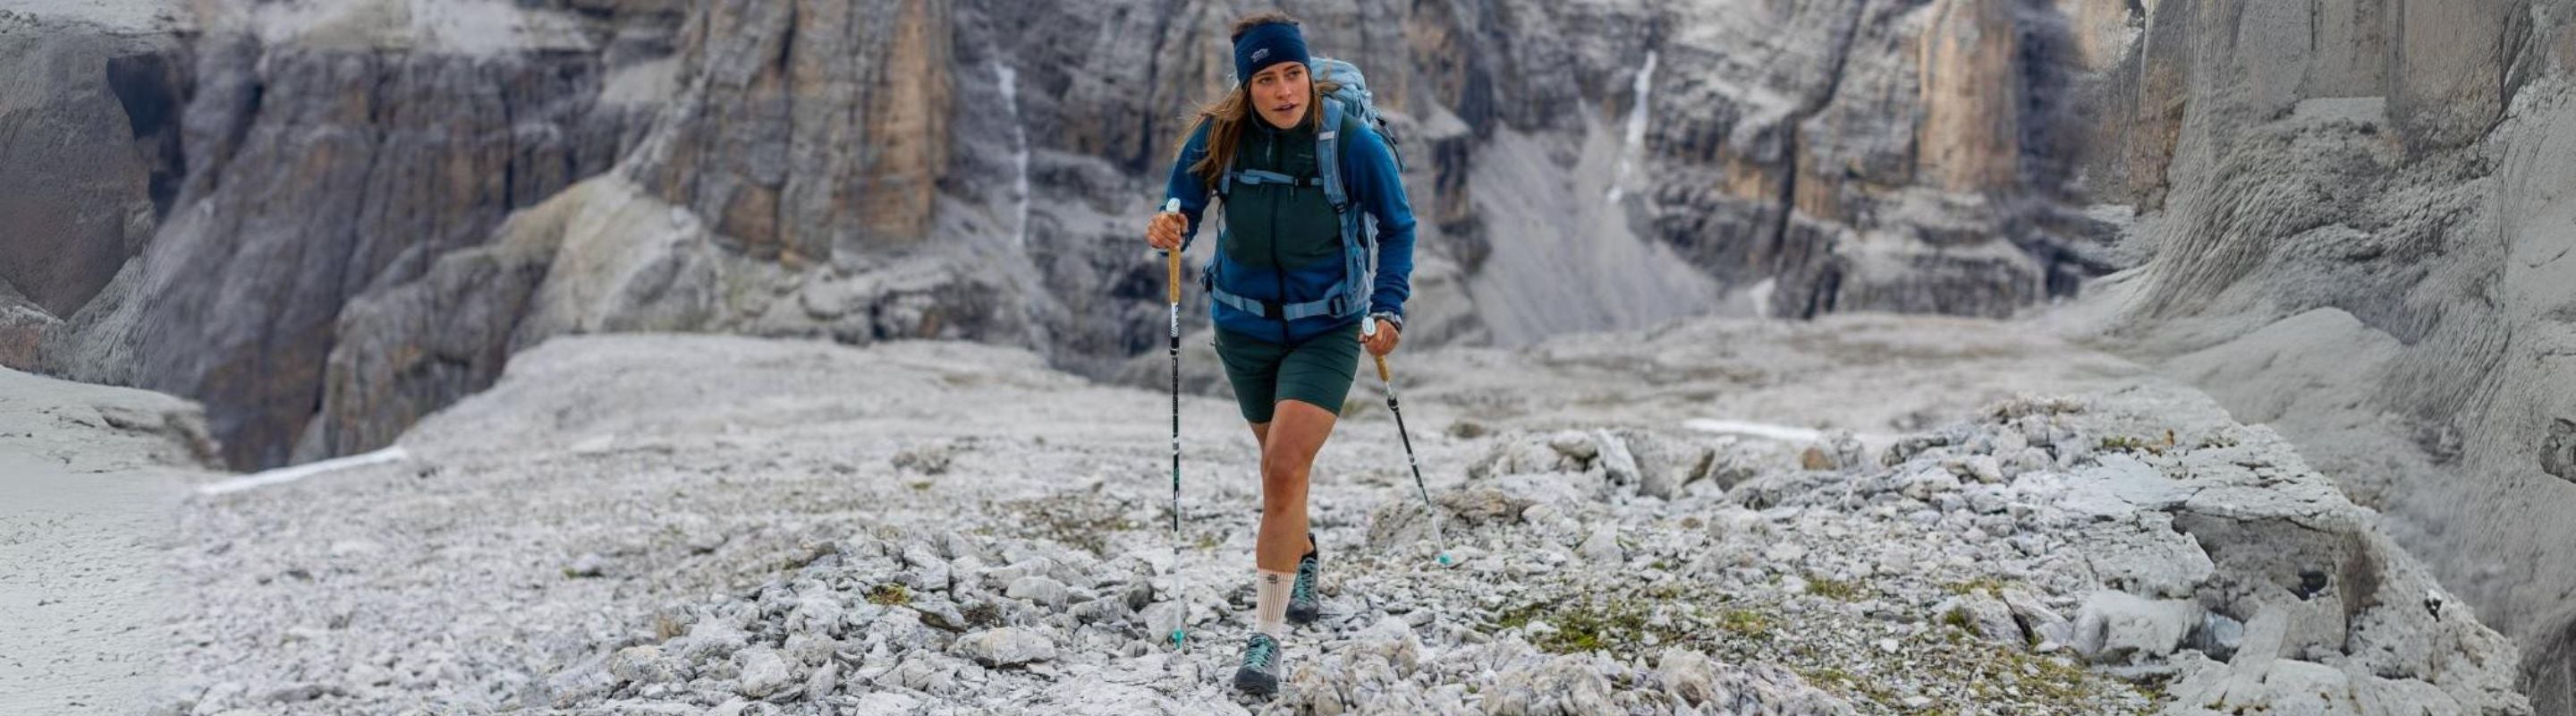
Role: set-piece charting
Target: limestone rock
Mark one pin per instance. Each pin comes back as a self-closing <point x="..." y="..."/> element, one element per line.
<point x="770" y="172"/>
<point x="763" y="672"/>
<point x="451" y="143"/>
<point x="1985" y="616"/>
<point x="1038" y="590"/>
<point x="94" y="155"/>
<point x="1006" y="646"/>
<point x="1603" y="546"/>
<point x="1564" y="685"/>
<point x="643" y="664"/>
<point x="2118" y="625"/>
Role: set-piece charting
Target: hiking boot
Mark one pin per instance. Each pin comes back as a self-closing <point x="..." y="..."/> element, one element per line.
<point x="1259" y="674"/>
<point x="1303" y="604"/>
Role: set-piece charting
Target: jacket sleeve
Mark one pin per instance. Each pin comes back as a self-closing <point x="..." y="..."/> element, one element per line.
<point x="1377" y="185"/>
<point x="1186" y="187"/>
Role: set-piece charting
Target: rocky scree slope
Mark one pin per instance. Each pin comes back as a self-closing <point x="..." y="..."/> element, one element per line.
<point x="718" y="541"/>
<point x="2344" y="231"/>
<point x="90" y="485"/>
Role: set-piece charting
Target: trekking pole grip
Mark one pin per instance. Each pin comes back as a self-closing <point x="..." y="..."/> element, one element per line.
<point x="1381" y="370"/>
<point x="1172" y="257"/>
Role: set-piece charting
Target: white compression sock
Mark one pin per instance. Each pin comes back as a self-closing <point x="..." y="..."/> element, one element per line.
<point x="1270" y="601"/>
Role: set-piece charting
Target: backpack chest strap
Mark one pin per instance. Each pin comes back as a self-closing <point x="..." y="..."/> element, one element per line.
<point x="1257" y="177"/>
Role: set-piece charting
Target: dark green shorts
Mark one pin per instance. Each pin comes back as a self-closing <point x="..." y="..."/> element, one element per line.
<point x="1317" y="372"/>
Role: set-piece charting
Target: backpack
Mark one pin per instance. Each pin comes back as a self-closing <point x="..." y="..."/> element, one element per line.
<point x="1359" y="229"/>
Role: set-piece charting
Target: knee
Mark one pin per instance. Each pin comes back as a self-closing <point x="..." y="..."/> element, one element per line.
<point x="1283" y="473"/>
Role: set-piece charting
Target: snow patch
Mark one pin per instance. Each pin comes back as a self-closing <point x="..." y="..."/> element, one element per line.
<point x="1766" y="431"/>
<point x="285" y="475"/>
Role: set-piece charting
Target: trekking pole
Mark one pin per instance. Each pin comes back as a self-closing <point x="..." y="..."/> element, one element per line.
<point x="1180" y="596"/>
<point x="1368" y="326"/>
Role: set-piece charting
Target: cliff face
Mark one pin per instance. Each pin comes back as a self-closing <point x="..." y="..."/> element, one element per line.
<point x="89" y="122"/>
<point x="327" y="191"/>
<point x="293" y="157"/>
<point x="876" y="169"/>
<point x="1880" y="156"/>
<point x="809" y="125"/>
<point x="882" y="170"/>
<point x="2343" y="234"/>
<point x="89" y="126"/>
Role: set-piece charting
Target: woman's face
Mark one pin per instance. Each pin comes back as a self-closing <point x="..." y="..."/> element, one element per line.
<point x="1280" y="94"/>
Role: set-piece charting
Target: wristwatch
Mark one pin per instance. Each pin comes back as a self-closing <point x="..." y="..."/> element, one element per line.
<point x="1397" y="320"/>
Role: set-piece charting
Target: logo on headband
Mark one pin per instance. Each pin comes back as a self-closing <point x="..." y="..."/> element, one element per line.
<point x="1260" y="53"/>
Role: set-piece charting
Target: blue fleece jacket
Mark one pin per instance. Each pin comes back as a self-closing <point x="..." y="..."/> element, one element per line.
<point x="1282" y="243"/>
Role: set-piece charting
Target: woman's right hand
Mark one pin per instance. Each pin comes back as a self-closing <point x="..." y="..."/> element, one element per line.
<point x="1165" y="231"/>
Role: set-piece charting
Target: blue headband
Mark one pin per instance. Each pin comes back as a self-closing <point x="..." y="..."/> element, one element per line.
<point x="1266" y="45"/>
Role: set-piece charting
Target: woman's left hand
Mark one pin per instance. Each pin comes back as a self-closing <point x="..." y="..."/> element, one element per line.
<point x="1385" y="340"/>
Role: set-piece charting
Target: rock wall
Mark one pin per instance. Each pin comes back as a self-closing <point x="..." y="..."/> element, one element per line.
<point x="327" y="193"/>
<point x="1874" y="156"/>
<point x="89" y="124"/>
<point x="899" y="224"/>
<point x="325" y="150"/>
<point x="89" y="128"/>
<point x="2341" y="235"/>
<point x="809" y="125"/>
<point x="990" y="158"/>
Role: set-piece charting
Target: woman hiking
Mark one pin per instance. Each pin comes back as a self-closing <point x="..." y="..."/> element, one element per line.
<point x="1289" y="299"/>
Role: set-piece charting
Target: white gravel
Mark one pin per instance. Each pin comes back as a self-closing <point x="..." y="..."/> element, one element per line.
<point x="91" y="479"/>
<point x="696" y="524"/>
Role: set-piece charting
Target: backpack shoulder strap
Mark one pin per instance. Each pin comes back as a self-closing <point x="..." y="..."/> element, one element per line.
<point x="1350" y="297"/>
<point x="1225" y="181"/>
<point x="1328" y="156"/>
<point x="1359" y="242"/>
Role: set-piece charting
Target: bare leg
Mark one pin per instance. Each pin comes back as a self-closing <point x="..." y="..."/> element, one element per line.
<point x="1288" y="445"/>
